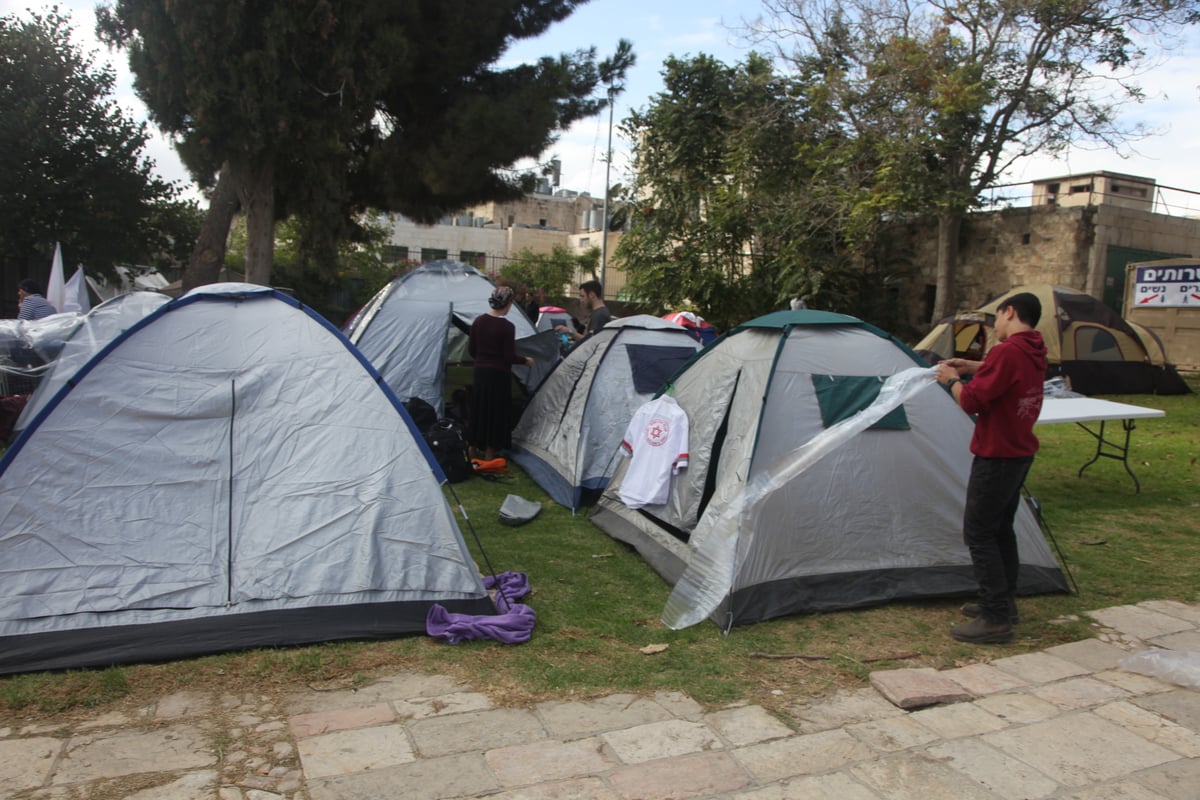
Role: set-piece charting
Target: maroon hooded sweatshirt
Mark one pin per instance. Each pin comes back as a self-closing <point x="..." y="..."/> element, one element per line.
<point x="1006" y="395"/>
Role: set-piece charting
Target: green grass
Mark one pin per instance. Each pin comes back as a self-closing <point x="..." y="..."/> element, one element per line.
<point x="598" y="603"/>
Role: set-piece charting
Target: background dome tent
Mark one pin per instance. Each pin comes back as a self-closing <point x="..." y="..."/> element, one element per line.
<point x="700" y="328"/>
<point x="229" y="472"/>
<point x="877" y="518"/>
<point x="417" y="324"/>
<point x="1087" y="342"/>
<point x="569" y="432"/>
<point x="549" y="316"/>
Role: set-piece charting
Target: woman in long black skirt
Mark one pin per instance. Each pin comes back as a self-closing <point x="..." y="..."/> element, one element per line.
<point x="492" y="346"/>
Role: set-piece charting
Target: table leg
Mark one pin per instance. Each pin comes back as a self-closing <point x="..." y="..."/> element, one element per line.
<point x="1121" y="450"/>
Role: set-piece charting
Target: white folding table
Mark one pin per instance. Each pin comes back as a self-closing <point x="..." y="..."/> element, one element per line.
<point x="1092" y="409"/>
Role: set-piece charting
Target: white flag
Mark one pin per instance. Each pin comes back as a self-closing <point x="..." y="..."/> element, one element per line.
<point x="76" y="293"/>
<point x="56" y="290"/>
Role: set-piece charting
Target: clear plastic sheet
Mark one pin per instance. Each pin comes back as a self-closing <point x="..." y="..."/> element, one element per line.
<point x="1179" y="667"/>
<point x="708" y="578"/>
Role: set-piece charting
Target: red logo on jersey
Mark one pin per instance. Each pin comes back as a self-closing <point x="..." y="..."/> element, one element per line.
<point x="657" y="432"/>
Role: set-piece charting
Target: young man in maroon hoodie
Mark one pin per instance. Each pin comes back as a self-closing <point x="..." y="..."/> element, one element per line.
<point x="1005" y="394"/>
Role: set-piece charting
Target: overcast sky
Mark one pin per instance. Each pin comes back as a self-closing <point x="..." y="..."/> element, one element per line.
<point x="659" y="28"/>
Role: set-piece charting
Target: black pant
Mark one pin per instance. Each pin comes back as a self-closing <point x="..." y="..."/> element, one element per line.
<point x="993" y="496"/>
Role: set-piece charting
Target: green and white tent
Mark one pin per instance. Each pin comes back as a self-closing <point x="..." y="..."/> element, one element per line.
<point x="826" y="471"/>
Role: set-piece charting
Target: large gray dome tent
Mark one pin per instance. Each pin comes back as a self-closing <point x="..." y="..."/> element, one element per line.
<point x="417" y="324"/>
<point x="229" y="472"/>
<point x="755" y="528"/>
<point x="569" y="432"/>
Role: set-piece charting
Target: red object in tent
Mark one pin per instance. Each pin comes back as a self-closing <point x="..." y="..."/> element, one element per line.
<point x="699" y="327"/>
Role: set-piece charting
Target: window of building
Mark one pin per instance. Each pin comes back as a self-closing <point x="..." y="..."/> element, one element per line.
<point x="475" y="259"/>
<point x="1080" y="188"/>
<point x="395" y="253"/>
<point x="585" y="242"/>
<point x="433" y="254"/>
<point x="542" y="222"/>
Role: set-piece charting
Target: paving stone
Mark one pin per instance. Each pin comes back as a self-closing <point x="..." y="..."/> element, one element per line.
<point x="192" y="786"/>
<point x="540" y="762"/>
<point x="679" y="705"/>
<point x="1140" y="622"/>
<point x="1177" y="705"/>
<point x="476" y="730"/>
<point x="395" y="687"/>
<point x="843" y="708"/>
<point x="992" y="769"/>
<point x="109" y="755"/>
<point x="457" y="703"/>
<point x="182" y="704"/>
<point x="26" y="763"/>
<point x="462" y="775"/>
<point x="354" y="750"/>
<point x="1153" y="727"/>
<point x="1186" y="641"/>
<point x="580" y="789"/>
<point x="917" y="688"/>
<point x="1174" y="608"/>
<point x="1039" y="667"/>
<point x="587" y="717"/>
<point x="1079" y="693"/>
<point x="655" y="740"/>
<point x="958" y="720"/>
<point x="1091" y="654"/>
<point x="747" y="725"/>
<point x="1125" y="790"/>
<point x="1079" y="749"/>
<point x="1132" y="682"/>
<point x="834" y="786"/>
<point x="1176" y="780"/>
<point x="679" y="778"/>
<point x="984" y="679"/>
<point x="801" y="755"/>
<point x="916" y="776"/>
<point x="889" y="735"/>
<point x="109" y="719"/>
<point x="1018" y="707"/>
<point x="340" y="719"/>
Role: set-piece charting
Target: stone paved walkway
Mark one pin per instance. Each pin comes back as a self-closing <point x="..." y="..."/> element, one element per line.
<point x="1061" y="723"/>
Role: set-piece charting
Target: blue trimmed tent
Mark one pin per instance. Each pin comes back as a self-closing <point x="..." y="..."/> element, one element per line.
<point x="569" y="432"/>
<point x="228" y="472"/>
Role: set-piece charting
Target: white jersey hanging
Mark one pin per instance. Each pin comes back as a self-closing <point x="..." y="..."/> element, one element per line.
<point x="657" y="443"/>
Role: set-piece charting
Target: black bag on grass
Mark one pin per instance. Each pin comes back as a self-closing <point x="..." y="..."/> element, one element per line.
<point x="448" y="441"/>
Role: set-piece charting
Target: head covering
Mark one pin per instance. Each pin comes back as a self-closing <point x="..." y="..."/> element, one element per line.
<point x="501" y="296"/>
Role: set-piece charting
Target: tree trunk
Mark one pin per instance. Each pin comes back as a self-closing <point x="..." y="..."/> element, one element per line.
<point x="944" y="302"/>
<point x="209" y="254"/>
<point x="256" y="190"/>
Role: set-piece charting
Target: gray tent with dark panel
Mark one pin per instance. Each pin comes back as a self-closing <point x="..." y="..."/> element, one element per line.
<point x="568" y="435"/>
<point x="228" y="472"/>
<point x="761" y="524"/>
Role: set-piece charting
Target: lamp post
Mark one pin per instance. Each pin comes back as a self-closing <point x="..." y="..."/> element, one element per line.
<point x="604" y="212"/>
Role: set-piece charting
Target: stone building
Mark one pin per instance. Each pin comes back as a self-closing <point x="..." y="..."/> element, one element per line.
<point x="1078" y="231"/>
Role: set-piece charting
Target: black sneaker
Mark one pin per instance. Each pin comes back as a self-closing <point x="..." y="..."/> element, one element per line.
<point x="972" y="610"/>
<point x="980" y="631"/>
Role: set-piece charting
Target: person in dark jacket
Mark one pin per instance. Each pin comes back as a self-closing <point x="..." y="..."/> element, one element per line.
<point x="1005" y="394"/>
<point x="492" y="345"/>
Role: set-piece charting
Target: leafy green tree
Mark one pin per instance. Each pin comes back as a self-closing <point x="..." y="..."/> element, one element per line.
<point x="550" y="272"/>
<point x="947" y="95"/>
<point x="739" y="198"/>
<point x="72" y="169"/>
<point x="320" y="110"/>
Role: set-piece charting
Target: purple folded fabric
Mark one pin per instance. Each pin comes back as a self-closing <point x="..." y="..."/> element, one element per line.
<point x="510" y="586"/>
<point x="513" y="625"/>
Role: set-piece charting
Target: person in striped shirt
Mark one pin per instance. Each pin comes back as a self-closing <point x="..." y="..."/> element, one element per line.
<point x="33" y="304"/>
